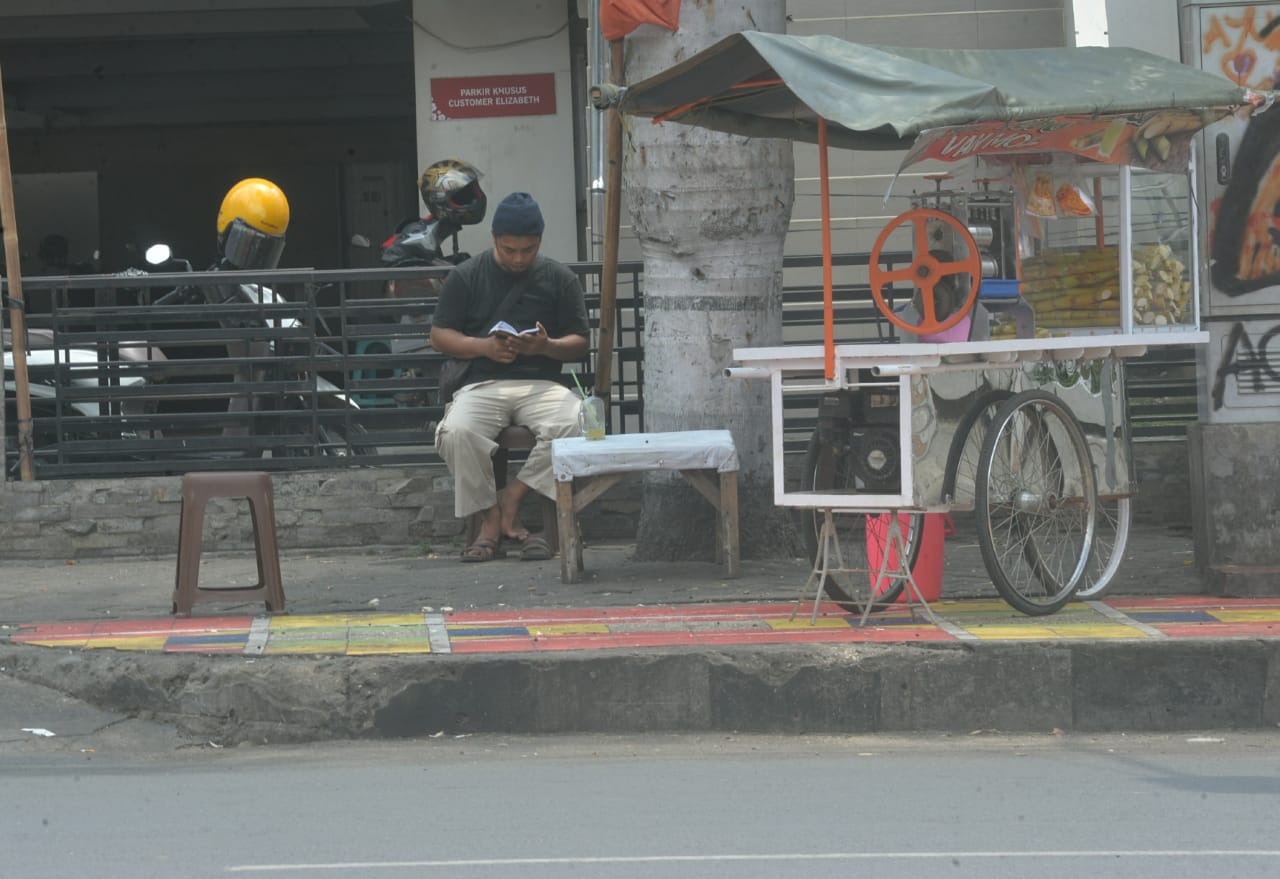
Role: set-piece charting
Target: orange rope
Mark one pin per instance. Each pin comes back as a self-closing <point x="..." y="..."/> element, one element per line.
<point x="684" y="108"/>
<point x="757" y="83"/>
<point x="671" y="114"/>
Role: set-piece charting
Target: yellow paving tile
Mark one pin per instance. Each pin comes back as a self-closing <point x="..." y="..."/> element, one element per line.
<point x="76" y="643"/>
<point x="783" y="624"/>
<point x="1011" y="633"/>
<point x="948" y="608"/>
<point x="311" y="621"/>
<point x="1054" y="632"/>
<point x="309" y="648"/>
<point x="1101" y="630"/>
<point x="385" y="619"/>
<point x="569" y="629"/>
<point x="1254" y="615"/>
<point x="364" y="638"/>
<point x="128" y="642"/>
<point x="386" y="648"/>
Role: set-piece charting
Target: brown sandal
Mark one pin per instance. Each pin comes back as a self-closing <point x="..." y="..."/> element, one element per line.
<point x="483" y="550"/>
<point x="535" y="549"/>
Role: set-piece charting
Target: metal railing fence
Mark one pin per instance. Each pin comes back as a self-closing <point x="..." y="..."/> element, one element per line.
<point x="334" y="370"/>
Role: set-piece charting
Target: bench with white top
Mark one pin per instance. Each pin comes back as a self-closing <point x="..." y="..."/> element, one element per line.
<point x="586" y="469"/>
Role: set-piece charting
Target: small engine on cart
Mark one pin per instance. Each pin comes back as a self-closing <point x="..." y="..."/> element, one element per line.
<point x="861" y="425"/>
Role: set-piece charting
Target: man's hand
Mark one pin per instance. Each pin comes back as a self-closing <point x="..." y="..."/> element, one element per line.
<point x="505" y="348"/>
<point x="530" y="343"/>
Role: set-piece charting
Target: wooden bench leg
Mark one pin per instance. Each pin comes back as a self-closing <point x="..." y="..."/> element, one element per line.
<point x="729" y="523"/>
<point x="570" y="539"/>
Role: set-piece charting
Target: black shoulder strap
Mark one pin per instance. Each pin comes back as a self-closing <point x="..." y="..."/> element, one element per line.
<point x="512" y="295"/>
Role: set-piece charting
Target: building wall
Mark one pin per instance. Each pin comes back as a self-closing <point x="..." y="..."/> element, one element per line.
<point x="515" y="153"/>
<point x="1150" y="25"/>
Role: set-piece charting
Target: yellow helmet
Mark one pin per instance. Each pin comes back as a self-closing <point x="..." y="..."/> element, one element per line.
<point x="251" y="224"/>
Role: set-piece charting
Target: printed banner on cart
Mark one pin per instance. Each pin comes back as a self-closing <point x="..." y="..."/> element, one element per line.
<point x="1159" y="140"/>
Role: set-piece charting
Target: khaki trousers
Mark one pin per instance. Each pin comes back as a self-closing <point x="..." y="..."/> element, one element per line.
<point x="466" y="437"/>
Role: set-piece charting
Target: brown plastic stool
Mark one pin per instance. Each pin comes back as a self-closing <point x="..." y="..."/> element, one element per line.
<point x="516" y="438"/>
<point x="197" y="489"/>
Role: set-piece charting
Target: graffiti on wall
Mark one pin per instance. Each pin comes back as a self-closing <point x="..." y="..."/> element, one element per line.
<point x="1244" y="45"/>
<point x="1249" y="362"/>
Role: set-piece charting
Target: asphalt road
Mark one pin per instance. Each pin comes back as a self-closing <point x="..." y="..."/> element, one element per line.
<point x="709" y="806"/>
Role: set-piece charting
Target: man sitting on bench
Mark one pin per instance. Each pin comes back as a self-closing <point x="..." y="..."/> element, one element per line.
<point x="513" y="376"/>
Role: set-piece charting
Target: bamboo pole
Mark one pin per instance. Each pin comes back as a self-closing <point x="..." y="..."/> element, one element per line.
<point x="612" y="224"/>
<point x="17" y="318"/>
<point x="828" y="310"/>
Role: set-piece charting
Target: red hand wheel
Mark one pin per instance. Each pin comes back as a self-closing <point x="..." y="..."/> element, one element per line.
<point x="925" y="271"/>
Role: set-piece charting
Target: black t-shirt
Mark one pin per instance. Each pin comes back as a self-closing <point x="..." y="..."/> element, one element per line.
<point x="550" y="295"/>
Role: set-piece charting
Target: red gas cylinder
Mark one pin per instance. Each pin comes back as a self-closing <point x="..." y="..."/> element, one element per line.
<point x="928" y="567"/>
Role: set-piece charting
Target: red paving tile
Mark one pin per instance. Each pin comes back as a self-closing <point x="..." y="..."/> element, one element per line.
<point x="550" y="643"/>
<point x="56" y="630"/>
<point x="132" y="627"/>
<point x="1196" y="601"/>
<point x="492" y="645"/>
<point x="237" y="649"/>
<point x="184" y="625"/>
<point x="1220" y="630"/>
<point x="656" y="639"/>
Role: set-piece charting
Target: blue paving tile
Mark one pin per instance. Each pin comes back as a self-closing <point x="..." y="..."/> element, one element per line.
<point x="488" y="632"/>
<point x="232" y="638"/>
<point x="1171" y="616"/>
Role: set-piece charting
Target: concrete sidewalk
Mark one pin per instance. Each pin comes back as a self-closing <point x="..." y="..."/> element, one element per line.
<point x="1158" y="561"/>
<point x="395" y="644"/>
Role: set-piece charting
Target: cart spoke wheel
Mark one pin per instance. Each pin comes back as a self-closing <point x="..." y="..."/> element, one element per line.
<point x="1036" y="502"/>
<point x="925" y="270"/>
<point x="1110" y="537"/>
<point x="966" y="449"/>
<point x="862" y="537"/>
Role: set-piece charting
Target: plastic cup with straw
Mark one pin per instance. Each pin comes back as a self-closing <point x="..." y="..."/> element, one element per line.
<point x="590" y="413"/>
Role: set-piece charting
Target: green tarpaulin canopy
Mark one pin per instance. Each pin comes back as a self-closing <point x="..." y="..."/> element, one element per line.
<point x="880" y="97"/>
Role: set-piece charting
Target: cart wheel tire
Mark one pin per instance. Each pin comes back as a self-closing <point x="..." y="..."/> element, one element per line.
<point x="827" y="466"/>
<point x="1036" y="502"/>
<point x="966" y="449"/>
<point x="925" y="271"/>
<point x="1111" y="536"/>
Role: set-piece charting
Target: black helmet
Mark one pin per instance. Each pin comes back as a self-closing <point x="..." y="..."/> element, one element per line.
<point x="451" y="191"/>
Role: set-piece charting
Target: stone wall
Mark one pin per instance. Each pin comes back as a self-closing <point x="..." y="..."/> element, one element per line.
<point x="353" y="509"/>
<point x="1236" y="507"/>
<point x="345" y="509"/>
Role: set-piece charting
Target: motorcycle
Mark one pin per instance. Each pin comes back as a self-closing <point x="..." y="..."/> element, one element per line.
<point x="416" y="243"/>
<point x="44" y="364"/>
<point x="255" y="361"/>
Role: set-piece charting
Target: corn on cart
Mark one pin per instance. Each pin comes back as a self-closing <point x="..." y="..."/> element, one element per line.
<point x="1059" y="239"/>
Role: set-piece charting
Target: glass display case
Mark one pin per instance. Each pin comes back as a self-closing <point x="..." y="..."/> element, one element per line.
<point x="1119" y="258"/>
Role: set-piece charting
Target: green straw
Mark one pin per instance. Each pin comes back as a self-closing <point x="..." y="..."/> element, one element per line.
<point x="591" y="413"/>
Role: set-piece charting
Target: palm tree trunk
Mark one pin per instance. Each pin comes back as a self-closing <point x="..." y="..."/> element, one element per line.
<point x="711" y="211"/>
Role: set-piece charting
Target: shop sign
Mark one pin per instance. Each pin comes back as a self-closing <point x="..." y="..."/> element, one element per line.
<point x="476" y="97"/>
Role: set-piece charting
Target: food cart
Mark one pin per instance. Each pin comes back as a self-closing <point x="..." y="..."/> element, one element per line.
<point x="1061" y="239"/>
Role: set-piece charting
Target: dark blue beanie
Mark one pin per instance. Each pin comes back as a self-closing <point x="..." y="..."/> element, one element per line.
<point x="518" y="214"/>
